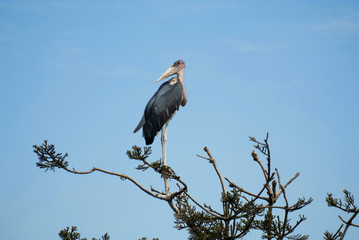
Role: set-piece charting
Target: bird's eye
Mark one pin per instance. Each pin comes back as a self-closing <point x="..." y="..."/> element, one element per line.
<point x="179" y="62"/>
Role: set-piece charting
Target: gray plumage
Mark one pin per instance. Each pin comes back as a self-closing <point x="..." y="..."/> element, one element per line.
<point x="164" y="103"/>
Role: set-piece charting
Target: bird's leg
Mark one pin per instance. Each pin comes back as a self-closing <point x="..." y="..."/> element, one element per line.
<point x="163" y="141"/>
<point x="164" y="138"/>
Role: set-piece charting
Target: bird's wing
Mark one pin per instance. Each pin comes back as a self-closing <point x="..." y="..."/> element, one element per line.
<point x="161" y="107"/>
<point x="143" y="120"/>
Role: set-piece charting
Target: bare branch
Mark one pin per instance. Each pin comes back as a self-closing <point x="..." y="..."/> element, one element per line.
<point x="256" y="158"/>
<point x="348" y="223"/>
<point x="285" y="186"/>
<point x="213" y="162"/>
<point x="122" y="176"/>
<point x="49" y="159"/>
<point x="286" y="204"/>
<point x="211" y="211"/>
<point x="173" y="206"/>
<point x="342" y="219"/>
<point x="246" y="192"/>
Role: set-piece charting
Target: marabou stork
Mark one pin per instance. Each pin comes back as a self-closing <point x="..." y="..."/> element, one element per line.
<point x="163" y="105"/>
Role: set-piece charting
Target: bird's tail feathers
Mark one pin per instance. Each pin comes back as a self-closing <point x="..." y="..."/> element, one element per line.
<point x="140" y="125"/>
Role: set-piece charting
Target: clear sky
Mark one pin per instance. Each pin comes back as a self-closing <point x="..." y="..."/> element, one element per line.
<point x="79" y="74"/>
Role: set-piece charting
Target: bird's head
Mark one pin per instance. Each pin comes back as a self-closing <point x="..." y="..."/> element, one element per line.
<point x="176" y="68"/>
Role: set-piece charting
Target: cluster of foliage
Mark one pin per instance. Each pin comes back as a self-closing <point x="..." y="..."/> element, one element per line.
<point x="73" y="234"/>
<point x="348" y="206"/>
<point x="241" y="211"/>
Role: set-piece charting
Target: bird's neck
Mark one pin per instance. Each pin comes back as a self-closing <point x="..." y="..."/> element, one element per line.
<point x="180" y="75"/>
<point x="184" y="94"/>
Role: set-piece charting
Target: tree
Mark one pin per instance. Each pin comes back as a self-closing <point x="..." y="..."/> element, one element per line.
<point x="241" y="210"/>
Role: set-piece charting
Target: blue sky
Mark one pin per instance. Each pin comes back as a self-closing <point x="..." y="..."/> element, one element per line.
<point x="79" y="74"/>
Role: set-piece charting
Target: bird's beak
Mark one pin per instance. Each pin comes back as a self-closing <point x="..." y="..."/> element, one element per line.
<point x="171" y="71"/>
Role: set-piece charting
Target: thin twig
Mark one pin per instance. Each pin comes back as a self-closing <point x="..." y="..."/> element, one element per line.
<point x="268" y="156"/>
<point x="156" y="191"/>
<point x="214" y="213"/>
<point x="246" y="192"/>
<point x="285" y="186"/>
<point x="286" y="203"/>
<point x="246" y="230"/>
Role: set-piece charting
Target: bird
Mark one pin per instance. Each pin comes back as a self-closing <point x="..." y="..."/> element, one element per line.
<point x="164" y="103"/>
